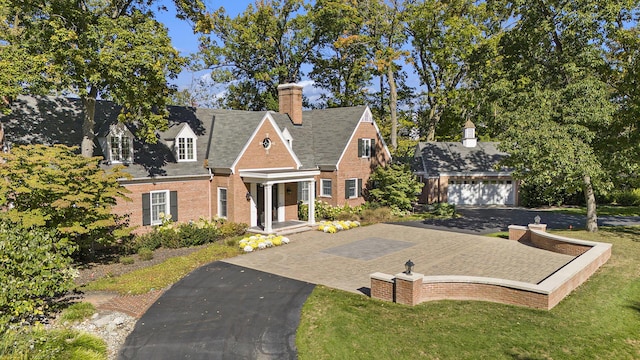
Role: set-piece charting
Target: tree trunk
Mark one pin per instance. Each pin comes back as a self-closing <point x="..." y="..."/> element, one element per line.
<point x="88" y="132"/>
<point x="393" y="105"/>
<point x="592" y="218"/>
<point x="432" y="123"/>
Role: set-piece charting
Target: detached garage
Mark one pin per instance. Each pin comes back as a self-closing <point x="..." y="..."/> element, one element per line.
<point x="464" y="173"/>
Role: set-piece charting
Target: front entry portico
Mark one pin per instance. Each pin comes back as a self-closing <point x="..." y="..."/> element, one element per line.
<point x="267" y="193"/>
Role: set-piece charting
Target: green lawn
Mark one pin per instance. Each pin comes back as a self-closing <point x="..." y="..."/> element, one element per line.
<point x="599" y="320"/>
<point x="604" y="210"/>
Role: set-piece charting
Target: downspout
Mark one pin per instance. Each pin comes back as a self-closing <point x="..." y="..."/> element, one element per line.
<point x="209" y="192"/>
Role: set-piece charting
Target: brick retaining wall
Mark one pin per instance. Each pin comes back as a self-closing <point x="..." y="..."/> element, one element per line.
<point x="416" y="288"/>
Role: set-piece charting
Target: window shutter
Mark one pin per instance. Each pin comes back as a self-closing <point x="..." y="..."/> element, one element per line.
<point x="373" y="148"/>
<point x="173" y="205"/>
<point x="359" y="189"/>
<point x="360" y="147"/>
<point x="346" y="189"/>
<point x="146" y="209"/>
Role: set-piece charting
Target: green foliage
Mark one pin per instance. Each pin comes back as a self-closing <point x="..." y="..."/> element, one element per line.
<point x="53" y="187"/>
<point x="40" y="344"/>
<point x="36" y="268"/>
<point x="445" y="210"/>
<point x="77" y="312"/>
<point x="127" y="260"/>
<point x="324" y="210"/>
<point x="627" y="197"/>
<point x="394" y="186"/>
<point x="145" y="254"/>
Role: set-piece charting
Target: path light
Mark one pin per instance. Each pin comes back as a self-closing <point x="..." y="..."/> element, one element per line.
<point x="248" y="196"/>
<point x="536" y="219"/>
<point x="408" y="266"/>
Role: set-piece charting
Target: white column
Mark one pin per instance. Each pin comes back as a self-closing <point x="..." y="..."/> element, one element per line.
<point x="268" y="207"/>
<point x="312" y="202"/>
<point x="253" y="189"/>
<point x="281" y="207"/>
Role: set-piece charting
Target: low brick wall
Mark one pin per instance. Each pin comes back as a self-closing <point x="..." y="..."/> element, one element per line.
<point x="416" y="288"/>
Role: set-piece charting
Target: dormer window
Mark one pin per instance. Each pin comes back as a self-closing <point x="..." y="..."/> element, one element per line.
<point x="121" y="148"/>
<point x="185" y="144"/>
<point x="186" y="150"/>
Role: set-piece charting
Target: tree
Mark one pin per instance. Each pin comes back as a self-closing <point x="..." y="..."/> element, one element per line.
<point x="446" y="39"/>
<point x="113" y="50"/>
<point x="553" y="103"/>
<point x="54" y="188"/>
<point x="261" y="48"/>
<point x="394" y="186"/>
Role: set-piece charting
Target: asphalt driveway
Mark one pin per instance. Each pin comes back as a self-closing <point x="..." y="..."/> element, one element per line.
<point x="221" y="311"/>
<point x="486" y="220"/>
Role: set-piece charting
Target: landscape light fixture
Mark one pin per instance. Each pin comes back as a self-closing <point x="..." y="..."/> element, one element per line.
<point x="248" y="195"/>
<point x="536" y="219"/>
<point x="408" y="266"/>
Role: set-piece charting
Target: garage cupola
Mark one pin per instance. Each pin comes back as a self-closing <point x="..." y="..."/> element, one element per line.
<point x="469" y="135"/>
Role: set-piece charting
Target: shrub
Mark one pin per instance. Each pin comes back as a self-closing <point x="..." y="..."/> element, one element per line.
<point x="127" y="260"/>
<point x="377" y="215"/>
<point x="36" y="269"/>
<point x="443" y="210"/>
<point x="394" y="186"/>
<point x="325" y="211"/>
<point x="145" y="254"/>
<point x="229" y="229"/>
<point x="627" y="197"/>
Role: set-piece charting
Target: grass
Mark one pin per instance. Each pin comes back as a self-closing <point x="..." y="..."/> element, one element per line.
<point x="601" y="210"/>
<point x="77" y="312"/>
<point x="36" y="343"/>
<point x="164" y="274"/>
<point x="599" y="320"/>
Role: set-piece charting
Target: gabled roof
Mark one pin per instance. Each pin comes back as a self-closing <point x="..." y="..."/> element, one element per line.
<point x="435" y="158"/>
<point x="221" y="134"/>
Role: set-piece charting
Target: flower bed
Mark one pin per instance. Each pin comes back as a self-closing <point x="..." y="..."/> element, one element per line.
<point x="335" y="226"/>
<point x="259" y="242"/>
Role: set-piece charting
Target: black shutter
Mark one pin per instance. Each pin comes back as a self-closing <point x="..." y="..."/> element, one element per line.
<point x="360" y="147"/>
<point x="173" y="205"/>
<point x="146" y="209"/>
<point x="373" y="148"/>
<point x="346" y="189"/>
<point x="359" y="189"/>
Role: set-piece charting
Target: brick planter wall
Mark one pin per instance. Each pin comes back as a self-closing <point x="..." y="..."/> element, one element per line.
<point x="416" y="288"/>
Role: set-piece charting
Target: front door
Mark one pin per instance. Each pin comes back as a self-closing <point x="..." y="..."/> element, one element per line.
<point x="260" y="204"/>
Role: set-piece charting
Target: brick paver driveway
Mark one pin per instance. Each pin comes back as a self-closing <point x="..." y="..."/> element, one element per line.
<point x="344" y="260"/>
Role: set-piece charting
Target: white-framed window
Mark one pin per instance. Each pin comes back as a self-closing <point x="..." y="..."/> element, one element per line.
<point x="159" y="206"/>
<point x="120" y="148"/>
<point x="303" y="192"/>
<point x="325" y="187"/>
<point x="366" y="148"/>
<point x="351" y="188"/>
<point x="186" y="149"/>
<point x="222" y="202"/>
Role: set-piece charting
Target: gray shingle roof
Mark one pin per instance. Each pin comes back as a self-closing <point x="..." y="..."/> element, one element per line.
<point x="434" y="158"/>
<point x="221" y="134"/>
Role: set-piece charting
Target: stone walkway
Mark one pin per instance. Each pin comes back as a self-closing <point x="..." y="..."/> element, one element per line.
<point x="346" y="259"/>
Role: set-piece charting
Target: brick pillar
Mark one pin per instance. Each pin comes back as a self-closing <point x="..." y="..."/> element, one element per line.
<point x="517" y="232"/>
<point x="382" y="286"/>
<point x="409" y="288"/>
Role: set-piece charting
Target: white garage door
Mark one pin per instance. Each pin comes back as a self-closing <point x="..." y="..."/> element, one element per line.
<point x="481" y="192"/>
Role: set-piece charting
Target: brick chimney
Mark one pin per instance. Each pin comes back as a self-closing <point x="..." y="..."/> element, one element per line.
<point x="290" y="100"/>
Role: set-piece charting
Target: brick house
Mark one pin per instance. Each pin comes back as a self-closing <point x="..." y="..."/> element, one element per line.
<point x="464" y="173"/>
<point x="247" y="166"/>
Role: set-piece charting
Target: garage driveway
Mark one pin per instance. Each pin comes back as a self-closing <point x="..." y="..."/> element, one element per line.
<point x="484" y="220"/>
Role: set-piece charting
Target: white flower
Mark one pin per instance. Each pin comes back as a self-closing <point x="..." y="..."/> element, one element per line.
<point x="285" y="240"/>
<point x="262" y="245"/>
<point x="269" y="243"/>
<point x="248" y="248"/>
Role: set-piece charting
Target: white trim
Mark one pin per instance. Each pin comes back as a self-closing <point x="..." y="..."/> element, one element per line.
<point x="268" y="176"/>
<point x="186" y="133"/>
<point x="253" y="189"/>
<point x="226" y="202"/>
<point x="280" y="202"/>
<point x="476" y="174"/>
<point x="322" y="194"/>
<point x="267" y="117"/>
<point x="355" y="187"/>
<point x="167" y="206"/>
<point x="353" y="134"/>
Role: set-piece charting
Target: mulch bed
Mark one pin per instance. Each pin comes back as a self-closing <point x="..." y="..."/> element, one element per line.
<point x="96" y="270"/>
